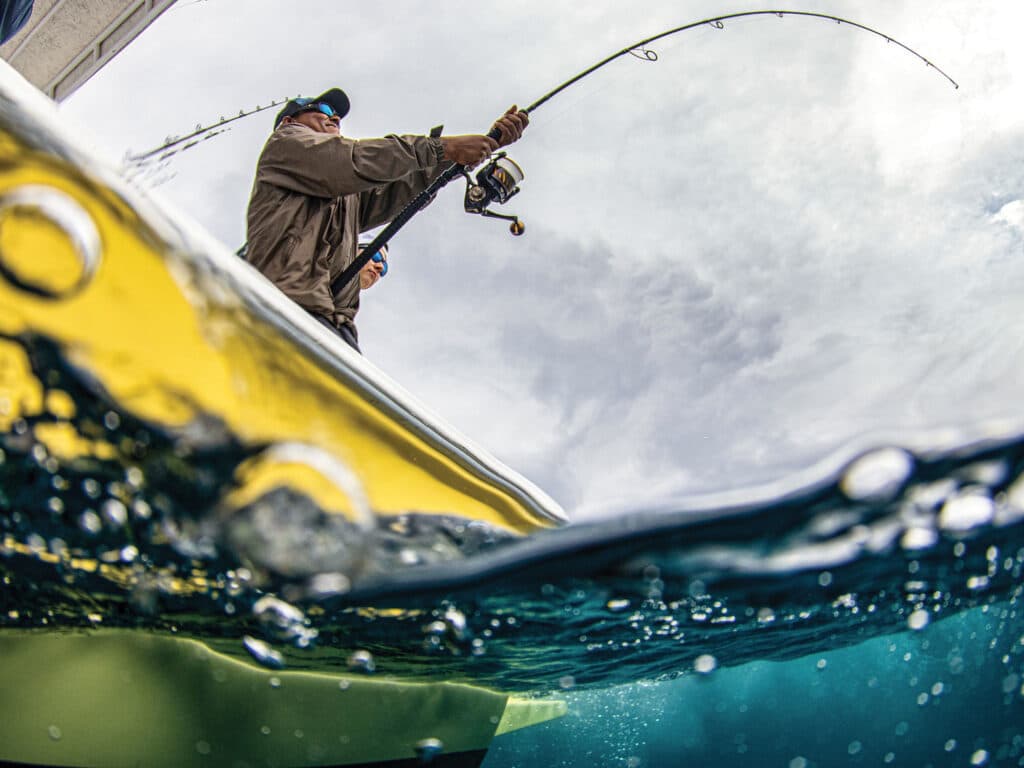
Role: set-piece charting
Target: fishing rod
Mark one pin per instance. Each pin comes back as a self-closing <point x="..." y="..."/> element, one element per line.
<point x="499" y="180"/>
<point x="201" y="133"/>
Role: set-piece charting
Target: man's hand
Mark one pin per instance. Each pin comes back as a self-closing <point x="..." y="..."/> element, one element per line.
<point x="511" y="125"/>
<point x="473" y="149"/>
<point x="468" y="150"/>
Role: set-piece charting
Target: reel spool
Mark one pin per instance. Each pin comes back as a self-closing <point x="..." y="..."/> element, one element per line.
<point x="496" y="182"/>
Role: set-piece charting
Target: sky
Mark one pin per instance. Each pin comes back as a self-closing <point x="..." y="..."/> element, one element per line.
<point x="781" y="239"/>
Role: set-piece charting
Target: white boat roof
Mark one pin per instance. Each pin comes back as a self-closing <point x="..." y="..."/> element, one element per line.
<point x="65" y="42"/>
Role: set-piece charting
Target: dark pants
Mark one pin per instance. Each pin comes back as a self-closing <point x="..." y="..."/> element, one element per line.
<point x="344" y="332"/>
<point x="14" y="14"/>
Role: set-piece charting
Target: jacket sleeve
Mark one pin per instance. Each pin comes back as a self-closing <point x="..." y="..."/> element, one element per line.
<point x="325" y="165"/>
<point x="382" y="203"/>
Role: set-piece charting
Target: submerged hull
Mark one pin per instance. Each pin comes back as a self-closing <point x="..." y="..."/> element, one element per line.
<point x="122" y="698"/>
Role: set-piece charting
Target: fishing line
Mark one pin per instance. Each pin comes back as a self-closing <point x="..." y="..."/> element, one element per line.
<point x="496" y="182"/>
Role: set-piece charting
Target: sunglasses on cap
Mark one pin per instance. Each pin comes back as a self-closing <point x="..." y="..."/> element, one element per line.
<point x="316" y="106"/>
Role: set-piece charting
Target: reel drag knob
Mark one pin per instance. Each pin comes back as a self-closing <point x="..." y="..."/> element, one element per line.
<point x="517" y="228"/>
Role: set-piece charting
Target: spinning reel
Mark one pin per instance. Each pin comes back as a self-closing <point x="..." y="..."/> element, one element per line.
<point x="496" y="182"/>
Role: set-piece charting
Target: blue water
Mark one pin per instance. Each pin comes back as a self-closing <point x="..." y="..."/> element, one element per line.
<point x="868" y="616"/>
<point x="948" y="695"/>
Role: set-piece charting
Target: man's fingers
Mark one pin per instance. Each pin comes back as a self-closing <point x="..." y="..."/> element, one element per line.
<point x="511" y="125"/>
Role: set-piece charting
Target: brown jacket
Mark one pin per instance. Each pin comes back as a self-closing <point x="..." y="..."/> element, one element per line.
<point x="314" y="193"/>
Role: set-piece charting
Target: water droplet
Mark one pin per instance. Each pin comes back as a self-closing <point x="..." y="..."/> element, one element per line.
<point x="55" y="222"/>
<point x="918" y="619"/>
<point x="263" y="653"/>
<point x="824" y="578"/>
<point x="854" y="747"/>
<point x="54" y="732"/>
<point x="275" y="682"/>
<point x="937" y="689"/>
<point x="980" y="757"/>
<point x="919" y="537"/>
<point x="705" y="664"/>
<point x="327" y="584"/>
<point x="265" y="730"/>
<point x="889" y="757"/>
<point x="877" y="476"/>
<point x="437" y="628"/>
<point x="428" y="749"/>
<point x="822" y="663"/>
<point x="966" y="511"/>
<point x="344" y="685"/>
<point x="203" y="747"/>
<point x="362" y="661"/>
<point x="114" y="512"/>
<point x="950" y="745"/>
<point x="141" y="509"/>
<point x="455" y="619"/>
<point x="134" y="477"/>
<point x="90" y="522"/>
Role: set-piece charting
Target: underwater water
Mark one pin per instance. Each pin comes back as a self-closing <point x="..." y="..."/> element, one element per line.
<point x="871" y="617"/>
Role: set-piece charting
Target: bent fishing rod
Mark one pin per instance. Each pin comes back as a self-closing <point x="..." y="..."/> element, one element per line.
<point x="498" y="180"/>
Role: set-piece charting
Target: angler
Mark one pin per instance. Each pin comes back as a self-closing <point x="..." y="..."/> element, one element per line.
<point x="316" y="190"/>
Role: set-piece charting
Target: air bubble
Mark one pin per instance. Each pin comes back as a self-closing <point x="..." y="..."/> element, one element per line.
<point x="705" y="664"/>
<point x="328" y="584"/>
<point x="428" y="749"/>
<point x="263" y="653"/>
<point x="280" y="620"/>
<point x="54" y="732"/>
<point x="114" y="512"/>
<point x="918" y="619"/>
<point x="362" y="661"/>
<point x="980" y="757"/>
<point x="919" y="537"/>
<point x="566" y="682"/>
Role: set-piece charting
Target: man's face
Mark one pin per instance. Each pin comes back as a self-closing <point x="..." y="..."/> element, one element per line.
<point x="318" y="121"/>
<point x="372" y="271"/>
